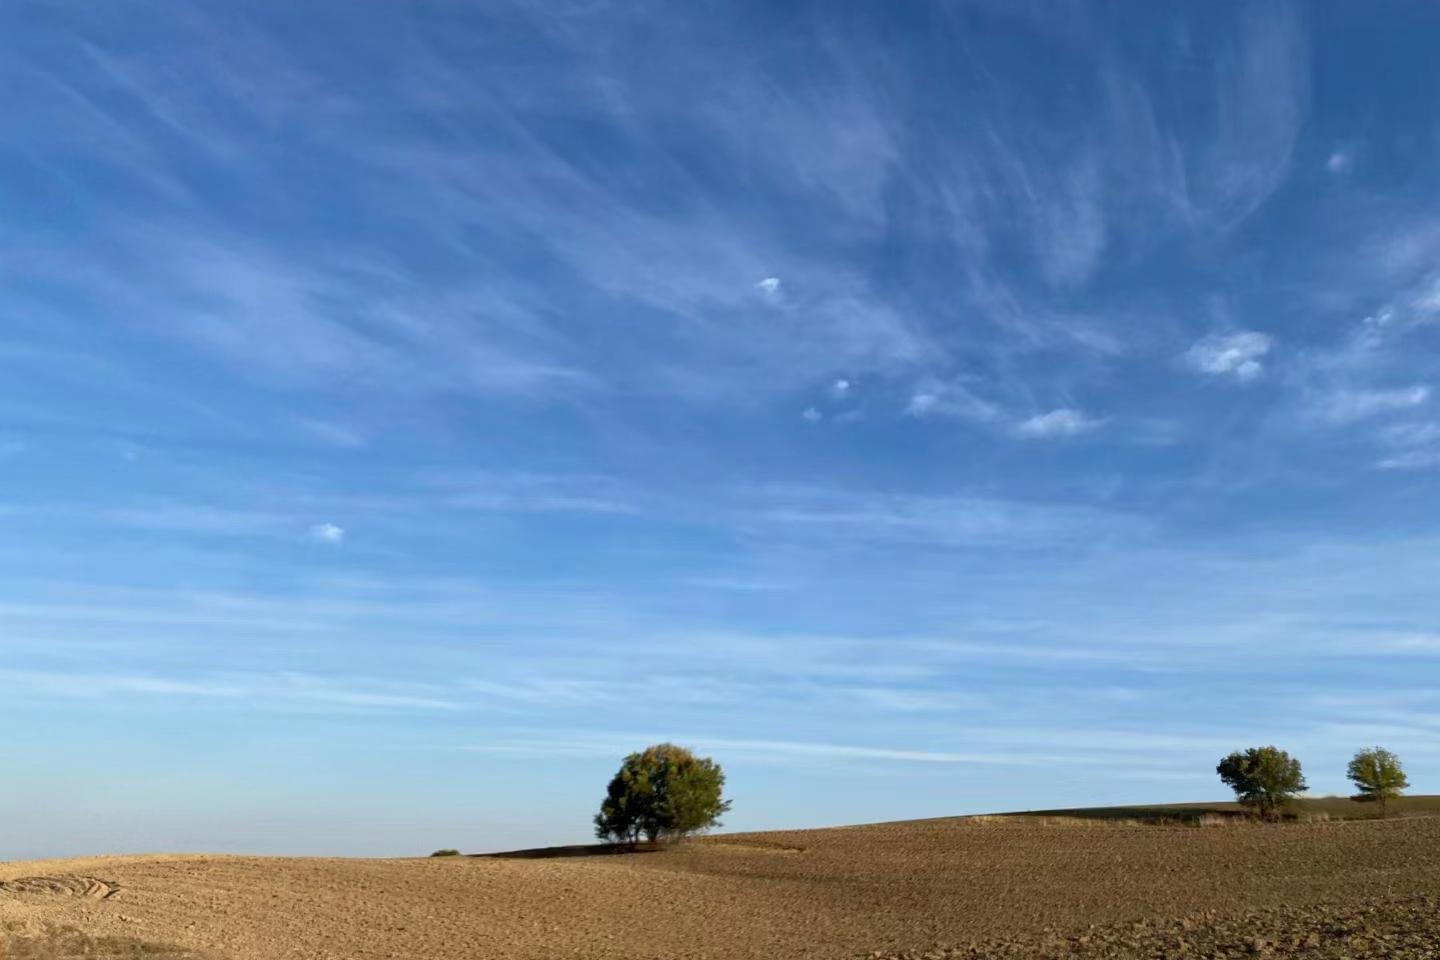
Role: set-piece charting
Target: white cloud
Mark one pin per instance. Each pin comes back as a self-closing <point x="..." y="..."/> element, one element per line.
<point x="1339" y="162"/>
<point x="1380" y="320"/>
<point x="951" y="399"/>
<point x="330" y="433"/>
<point x="195" y="519"/>
<point x="1262" y="94"/>
<point x="769" y="287"/>
<point x="1429" y="298"/>
<point x="833" y="515"/>
<point x="811" y="415"/>
<point x="1063" y="422"/>
<point x="921" y="404"/>
<point x="585" y="743"/>
<point x="1412" y="434"/>
<point x="1419" y="459"/>
<point x="1235" y="355"/>
<point x="327" y="533"/>
<point x="841" y="389"/>
<point x="1418" y="443"/>
<point x="1347" y="406"/>
<point x="527" y="492"/>
<point x="288" y="690"/>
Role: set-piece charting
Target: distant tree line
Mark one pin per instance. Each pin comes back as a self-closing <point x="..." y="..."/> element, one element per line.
<point x="666" y="792"/>
<point x="1265" y="779"/>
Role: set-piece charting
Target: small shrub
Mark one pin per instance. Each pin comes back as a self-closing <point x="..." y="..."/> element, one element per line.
<point x="446" y="853"/>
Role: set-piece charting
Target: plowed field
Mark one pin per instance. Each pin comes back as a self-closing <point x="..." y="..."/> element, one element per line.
<point x="958" y="888"/>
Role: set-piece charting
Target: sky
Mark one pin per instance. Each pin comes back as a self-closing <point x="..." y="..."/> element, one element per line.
<point x="407" y="409"/>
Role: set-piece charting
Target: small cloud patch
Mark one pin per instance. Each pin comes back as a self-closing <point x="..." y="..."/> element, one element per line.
<point x="811" y="415"/>
<point x="769" y="287"/>
<point x="327" y="533"/>
<point x="921" y="404"/>
<point x="1235" y="355"/>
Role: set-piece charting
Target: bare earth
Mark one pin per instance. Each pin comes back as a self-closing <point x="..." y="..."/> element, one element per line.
<point x="1006" y="888"/>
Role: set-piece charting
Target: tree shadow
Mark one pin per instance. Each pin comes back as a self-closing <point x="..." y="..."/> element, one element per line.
<point x="1159" y="813"/>
<point x="578" y="850"/>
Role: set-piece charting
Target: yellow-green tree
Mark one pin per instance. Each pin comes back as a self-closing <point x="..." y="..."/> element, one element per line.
<point x="1377" y="775"/>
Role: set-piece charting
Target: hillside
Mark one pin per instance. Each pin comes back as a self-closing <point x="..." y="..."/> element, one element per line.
<point x="839" y="892"/>
<point x="1337" y="808"/>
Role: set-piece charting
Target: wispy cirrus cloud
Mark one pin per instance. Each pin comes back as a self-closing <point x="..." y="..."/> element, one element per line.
<point x="298" y="320"/>
<point x="527" y="492"/>
<point x="1061" y="422"/>
<point x="1347" y="406"/>
<point x="560" y="311"/>
<point x="331" y="433"/>
<point x="265" y="691"/>
<point x="950" y="398"/>
<point x="838" y="139"/>
<point x="1262" y="93"/>
<point x="1413" y="447"/>
<point x="574" y="743"/>
<point x="954" y="520"/>
<point x="955" y="400"/>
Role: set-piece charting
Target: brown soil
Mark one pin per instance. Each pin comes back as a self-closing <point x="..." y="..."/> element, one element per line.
<point x="1384" y="929"/>
<point x="1034" y="887"/>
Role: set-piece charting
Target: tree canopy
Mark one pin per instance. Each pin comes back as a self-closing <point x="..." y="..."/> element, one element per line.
<point x="1263" y="778"/>
<point x="663" y="792"/>
<point x="1377" y="775"/>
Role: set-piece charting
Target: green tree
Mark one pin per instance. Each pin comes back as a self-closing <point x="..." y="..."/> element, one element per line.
<point x="1377" y="775"/>
<point x="664" y="792"/>
<point x="1263" y="778"/>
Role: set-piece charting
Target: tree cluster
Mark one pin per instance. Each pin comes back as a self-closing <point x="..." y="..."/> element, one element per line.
<point x="665" y="792"/>
<point x="1265" y="779"/>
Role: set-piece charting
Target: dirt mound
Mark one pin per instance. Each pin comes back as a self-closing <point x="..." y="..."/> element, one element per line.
<point x="1405" y="929"/>
<point x="61" y="886"/>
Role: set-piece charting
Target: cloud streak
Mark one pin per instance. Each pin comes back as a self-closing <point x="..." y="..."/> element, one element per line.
<point x="1350" y="406"/>
<point x="1061" y="422"/>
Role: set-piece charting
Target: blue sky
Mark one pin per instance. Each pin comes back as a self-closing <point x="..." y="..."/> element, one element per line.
<point x="408" y="409"/>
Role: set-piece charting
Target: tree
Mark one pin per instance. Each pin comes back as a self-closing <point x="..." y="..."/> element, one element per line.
<point x="1377" y="775"/>
<point x="664" y="792"/>
<point x="1263" y="778"/>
